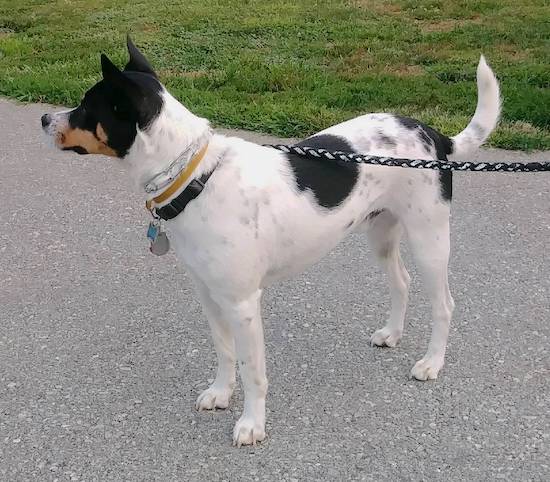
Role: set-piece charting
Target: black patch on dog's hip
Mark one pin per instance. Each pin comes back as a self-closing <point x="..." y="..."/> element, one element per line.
<point x="431" y="139"/>
<point x="330" y="181"/>
<point x="446" y="184"/>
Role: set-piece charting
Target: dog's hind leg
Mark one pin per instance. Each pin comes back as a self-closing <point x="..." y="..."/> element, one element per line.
<point x="428" y="235"/>
<point x="384" y="234"/>
<point x="219" y="393"/>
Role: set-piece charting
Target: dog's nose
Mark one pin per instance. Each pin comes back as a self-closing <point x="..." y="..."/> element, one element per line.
<point x="46" y="119"/>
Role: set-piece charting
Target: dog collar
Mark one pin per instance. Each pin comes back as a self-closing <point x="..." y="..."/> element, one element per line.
<point x="168" y="175"/>
<point x="178" y="181"/>
<point x="179" y="203"/>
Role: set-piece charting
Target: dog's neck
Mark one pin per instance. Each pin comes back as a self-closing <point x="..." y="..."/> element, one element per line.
<point x="175" y="133"/>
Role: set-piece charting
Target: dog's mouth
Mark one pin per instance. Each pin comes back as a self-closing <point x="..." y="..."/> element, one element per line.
<point x="77" y="149"/>
<point x="61" y="138"/>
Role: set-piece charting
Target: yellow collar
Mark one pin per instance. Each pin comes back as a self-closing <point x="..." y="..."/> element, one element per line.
<point x="179" y="181"/>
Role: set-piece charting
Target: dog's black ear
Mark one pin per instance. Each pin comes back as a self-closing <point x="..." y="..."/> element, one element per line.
<point x="110" y="71"/>
<point x="122" y="84"/>
<point x="137" y="62"/>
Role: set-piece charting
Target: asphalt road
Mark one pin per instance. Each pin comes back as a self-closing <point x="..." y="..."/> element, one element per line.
<point x="103" y="347"/>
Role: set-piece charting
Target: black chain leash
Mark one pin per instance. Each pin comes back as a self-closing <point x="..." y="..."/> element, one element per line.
<point x="314" y="153"/>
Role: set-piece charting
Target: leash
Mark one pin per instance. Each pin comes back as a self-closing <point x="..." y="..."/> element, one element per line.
<point x="314" y="153"/>
<point x="159" y="241"/>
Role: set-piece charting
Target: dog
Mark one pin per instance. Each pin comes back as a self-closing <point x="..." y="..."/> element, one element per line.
<point x="259" y="215"/>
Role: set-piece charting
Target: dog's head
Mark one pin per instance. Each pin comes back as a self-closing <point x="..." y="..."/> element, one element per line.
<point x="112" y="111"/>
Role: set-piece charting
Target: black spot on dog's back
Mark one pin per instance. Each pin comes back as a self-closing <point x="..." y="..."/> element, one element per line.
<point x="328" y="142"/>
<point x="329" y="181"/>
<point x="428" y="136"/>
<point x="385" y="141"/>
<point x="443" y="146"/>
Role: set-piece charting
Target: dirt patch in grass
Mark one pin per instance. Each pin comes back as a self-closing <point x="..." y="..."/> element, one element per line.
<point x="403" y="70"/>
<point x="191" y="74"/>
<point x="439" y="51"/>
<point x="356" y="63"/>
<point x="447" y="25"/>
<point x="513" y="52"/>
<point x="149" y="28"/>
<point x="382" y="7"/>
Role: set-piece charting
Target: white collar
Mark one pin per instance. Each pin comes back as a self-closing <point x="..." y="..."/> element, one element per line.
<point x="165" y="177"/>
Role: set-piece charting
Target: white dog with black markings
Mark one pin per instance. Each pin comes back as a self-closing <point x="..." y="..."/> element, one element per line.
<point x="242" y="216"/>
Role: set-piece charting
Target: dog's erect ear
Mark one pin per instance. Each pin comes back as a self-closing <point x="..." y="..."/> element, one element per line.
<point x="131" y="97"/>
<point x="111" y="72"/>
<point x="137" y="62"/>
<point x="113" y="76"/>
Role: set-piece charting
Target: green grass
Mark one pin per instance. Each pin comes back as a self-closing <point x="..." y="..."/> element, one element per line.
<point x="291" y="68"/>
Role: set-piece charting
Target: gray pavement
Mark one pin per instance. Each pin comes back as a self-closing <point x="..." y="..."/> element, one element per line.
<point x="103" y="347"/>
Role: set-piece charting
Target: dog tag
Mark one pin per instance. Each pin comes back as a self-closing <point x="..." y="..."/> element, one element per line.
<point x="153" y="230"/>
<point x="160" y="245"/>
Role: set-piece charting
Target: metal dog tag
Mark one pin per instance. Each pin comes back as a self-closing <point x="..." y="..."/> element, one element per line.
<point x="160" y="245"/>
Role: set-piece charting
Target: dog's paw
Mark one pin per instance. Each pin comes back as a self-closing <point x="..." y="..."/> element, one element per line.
<point x="213" y="398"/>
<point x="385" y="337"/>
<point x="427" y="368"/>
<point x="248" y="431"/>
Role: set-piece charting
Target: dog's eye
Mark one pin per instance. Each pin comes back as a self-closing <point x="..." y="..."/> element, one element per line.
<point x="120" y="111"/>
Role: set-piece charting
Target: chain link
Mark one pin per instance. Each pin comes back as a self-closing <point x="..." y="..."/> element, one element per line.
<point x="314" y="153"/>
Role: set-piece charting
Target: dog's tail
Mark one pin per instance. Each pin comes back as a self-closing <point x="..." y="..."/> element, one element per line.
<point x="486" y="115"/>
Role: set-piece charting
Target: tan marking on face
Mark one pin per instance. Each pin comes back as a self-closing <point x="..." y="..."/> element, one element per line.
<point x="87" y="140"/>
<point x="101" y="134"/>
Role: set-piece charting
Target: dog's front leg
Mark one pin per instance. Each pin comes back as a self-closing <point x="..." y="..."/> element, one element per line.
<point x="245" y="318"/>
<point x="219" y="393"/>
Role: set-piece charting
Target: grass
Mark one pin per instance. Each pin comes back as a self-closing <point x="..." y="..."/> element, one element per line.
<point x="290" y="67"/>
